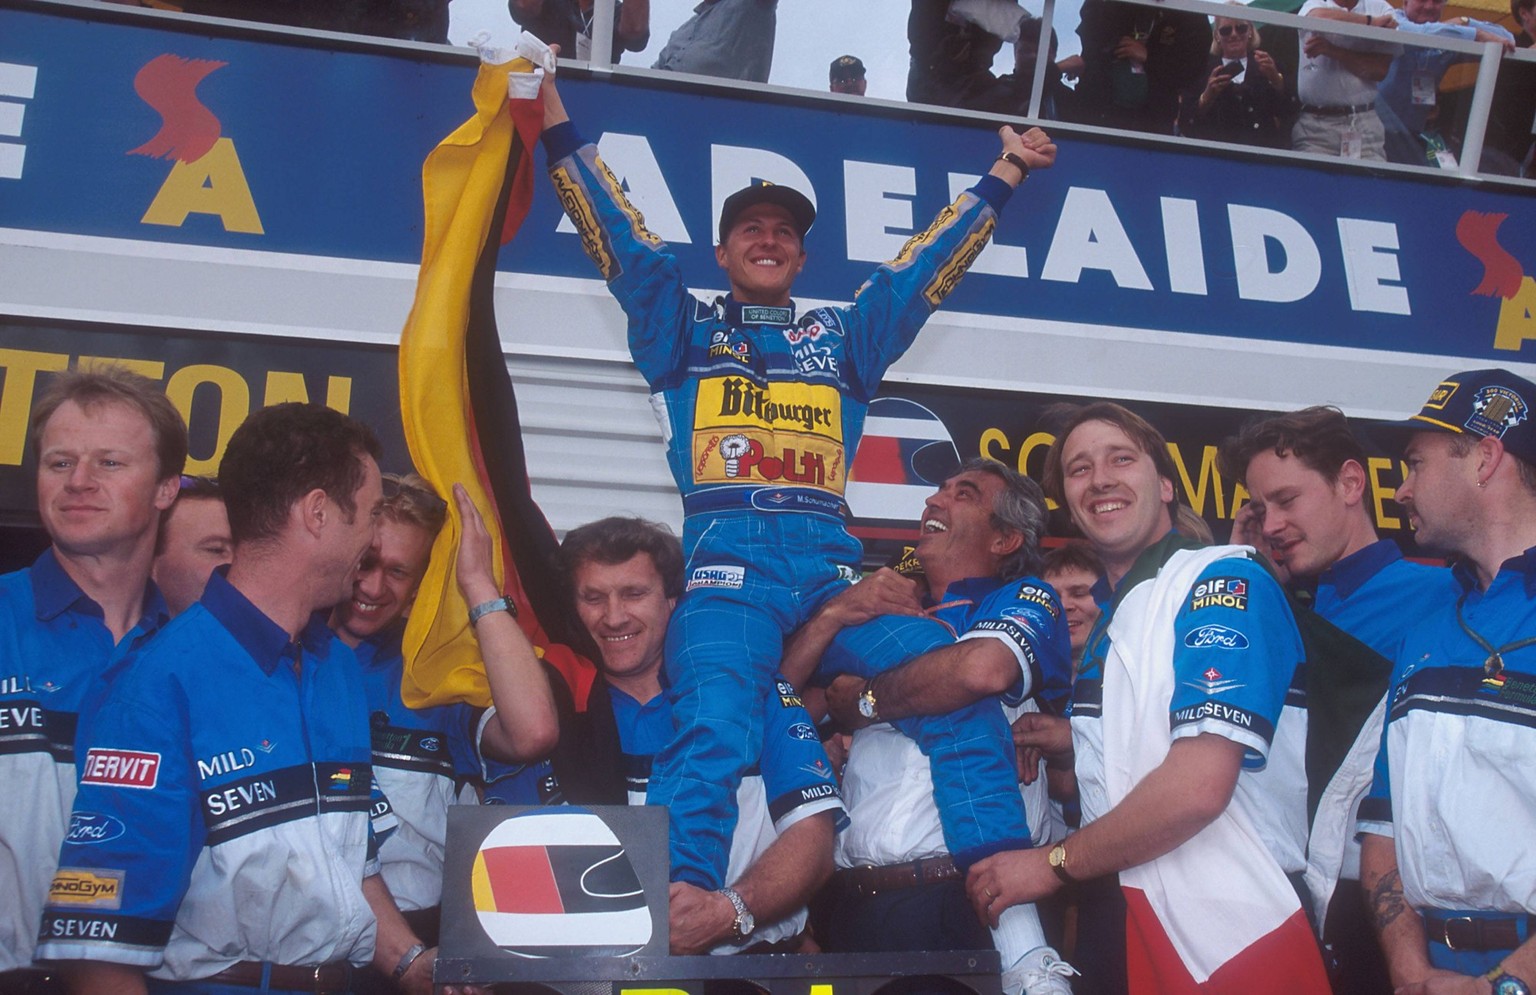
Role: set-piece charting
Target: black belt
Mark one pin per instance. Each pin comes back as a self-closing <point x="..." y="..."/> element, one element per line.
<point x="334" y="978"/>
<point x="893" y="877"/>
<point x="1336" y="110"/>
<point x="1469" y="932"/>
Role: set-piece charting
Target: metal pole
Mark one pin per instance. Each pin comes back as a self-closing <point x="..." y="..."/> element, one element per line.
<point x="602" y="34"/>
<point x="1482" y="103"/>
<point x="1042" y="57"/>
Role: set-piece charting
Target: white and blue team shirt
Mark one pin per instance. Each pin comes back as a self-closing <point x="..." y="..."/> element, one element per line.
<point x="887" y="783"/>
<point x="793" y="781"/>
<point x="423" y="762"/>
<point x="1239" y="673"/>
<point x="222" y="814"/>
<point x="1373" y="594"/>
<point x="54" y="648"/>
<point x="1454" y="784"/>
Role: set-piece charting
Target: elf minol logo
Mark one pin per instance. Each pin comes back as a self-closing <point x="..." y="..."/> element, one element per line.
<point x="559" y="884"/>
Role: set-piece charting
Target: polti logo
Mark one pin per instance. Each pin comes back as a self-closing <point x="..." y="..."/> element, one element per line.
<point x="206" y="176"/>
<point x="121" y="768"/>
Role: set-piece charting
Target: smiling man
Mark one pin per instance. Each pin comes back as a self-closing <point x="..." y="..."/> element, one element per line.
<point x="109" y="447"/>
<point x="1187" y="740"/>
<point x="424" y="759"/>
<point x="931" y="781"/>
<point x="761" y="412"/>
<point x="626" y="575"/>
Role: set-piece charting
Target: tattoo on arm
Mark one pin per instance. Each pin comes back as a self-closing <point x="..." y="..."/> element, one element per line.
<point x="1387" y="900"/>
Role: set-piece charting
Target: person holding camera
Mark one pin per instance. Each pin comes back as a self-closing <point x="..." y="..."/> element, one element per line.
<point x="1243" y="99"/>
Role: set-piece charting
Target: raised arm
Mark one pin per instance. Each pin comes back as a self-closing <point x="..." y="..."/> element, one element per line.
<point x="524" y="726"/>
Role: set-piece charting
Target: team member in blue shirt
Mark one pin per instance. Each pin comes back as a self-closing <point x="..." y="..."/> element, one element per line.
<point x="226" y="773"/>
<point x="626" y="575"/>
<point x="109" y="448"/>
<point x="1310" y="512"/>
<point x="761" y="412"/>
<point x="424" y="759"/>
<point x="1445" y="857"/>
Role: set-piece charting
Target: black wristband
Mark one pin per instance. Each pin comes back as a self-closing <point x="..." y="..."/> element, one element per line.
<point x="1017" y="162"/>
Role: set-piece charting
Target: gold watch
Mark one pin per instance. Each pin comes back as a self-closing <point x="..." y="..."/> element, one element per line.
<point x="1057" y="858"/>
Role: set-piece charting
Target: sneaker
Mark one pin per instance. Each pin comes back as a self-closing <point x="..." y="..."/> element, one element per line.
<point x="1039" y="972"/>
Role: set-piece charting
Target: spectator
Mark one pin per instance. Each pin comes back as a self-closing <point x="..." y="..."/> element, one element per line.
<point x="1338" y="80"/>
<point x="1136" y="61"/>
<point x="1243" y="99"/>
<point x="951" y="58"/>
<point x="732" y="39"/>
<point x="1010" y="93"/>
<point x="846" y="75"/>
<point x="1310" y="513"/>
<point x="423" y="759"/>
<point x="626" y="575"/>
<point x="1451" y="880"/>
<point x="229" y="760"/>
<point x="900" y="887"/>
<point x="1407" y="102"/>
<point x="109" y="447"/>
<point x="1512" y="120"/>
<point x="1188" y="752"/>
<point x="193" y="540"/>
<point x="568" y="24"/>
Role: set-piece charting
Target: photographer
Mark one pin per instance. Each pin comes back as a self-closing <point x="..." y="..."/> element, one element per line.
<point x="1243" y="99"/>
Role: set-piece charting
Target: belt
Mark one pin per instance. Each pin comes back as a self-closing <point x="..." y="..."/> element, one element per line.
<point x="797" y="499"/>
<point x="1475" y="932"/>
<point x="1337" y="110"/>
<point x="893" y="877"/>
<point x="334" y="978"/>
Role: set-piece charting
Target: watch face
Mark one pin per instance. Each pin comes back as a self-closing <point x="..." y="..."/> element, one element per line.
<point x="867" y="705"/>
<point x="1504" y="984"/>
<point x="1057" y="856"/>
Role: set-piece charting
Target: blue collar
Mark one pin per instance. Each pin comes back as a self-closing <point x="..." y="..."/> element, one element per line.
<point x="1349" y="574"/>
<point x="54" y="592"/>
<point x="266" y="641"/>
<point x="383" y="647"/>
<point x="1525" y="564"/>
<point x="974" y="588"/>
<point x="738" y="314"/>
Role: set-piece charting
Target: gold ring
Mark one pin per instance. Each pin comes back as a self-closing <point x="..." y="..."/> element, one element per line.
<point x="988" y="893"/>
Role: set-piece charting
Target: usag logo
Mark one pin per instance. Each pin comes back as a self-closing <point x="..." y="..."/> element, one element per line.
<point x="717" y="576"/>
<point x="1220" y="592"/>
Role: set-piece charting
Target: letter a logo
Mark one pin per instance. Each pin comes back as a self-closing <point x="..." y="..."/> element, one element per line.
<point x="206" y="177"/>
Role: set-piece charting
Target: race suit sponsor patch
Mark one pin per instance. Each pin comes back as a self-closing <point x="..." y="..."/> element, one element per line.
<point x="82" y="888"/>
<point x="121" y="768"/>
<point x="723" y="575"/>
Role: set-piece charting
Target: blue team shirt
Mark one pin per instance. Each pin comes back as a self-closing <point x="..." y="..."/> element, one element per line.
<point x="224" y="789"/>
<point x="1375" y="595"/>
<point x="54" y="648"/>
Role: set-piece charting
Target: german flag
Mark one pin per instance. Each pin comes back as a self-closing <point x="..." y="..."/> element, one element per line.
<point x="457" y="403"/>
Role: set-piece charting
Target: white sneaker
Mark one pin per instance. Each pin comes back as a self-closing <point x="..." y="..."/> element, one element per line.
<point x="1039" y="972"/>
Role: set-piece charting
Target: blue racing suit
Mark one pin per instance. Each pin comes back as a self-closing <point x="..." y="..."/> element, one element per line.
<point x="761" y="413"/>
<point x="970" y="750"/>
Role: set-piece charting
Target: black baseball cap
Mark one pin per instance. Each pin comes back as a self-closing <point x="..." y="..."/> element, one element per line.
<point x="845" y="67"/>
<point x="1481" y="403"/>
<point x="764" y="192"/>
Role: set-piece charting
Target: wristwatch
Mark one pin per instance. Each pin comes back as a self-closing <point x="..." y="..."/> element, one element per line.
<point x="1506" y="984"/>
<point x="494" y="605"/>
<point x="1057" y="858"/>
<point x="744" y="924"/>
<point x="867" y="705"/>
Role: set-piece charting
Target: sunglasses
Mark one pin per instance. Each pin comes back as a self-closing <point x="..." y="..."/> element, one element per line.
<point x="1228" y="30"/>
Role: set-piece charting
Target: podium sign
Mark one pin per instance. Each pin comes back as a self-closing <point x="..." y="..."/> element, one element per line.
<point x="574" y="901"/>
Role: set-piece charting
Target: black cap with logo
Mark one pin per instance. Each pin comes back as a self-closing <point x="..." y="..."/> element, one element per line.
<point x="763" y="192"/>
<point x="845" y="67"/>
<point x="1482" y="403"/>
